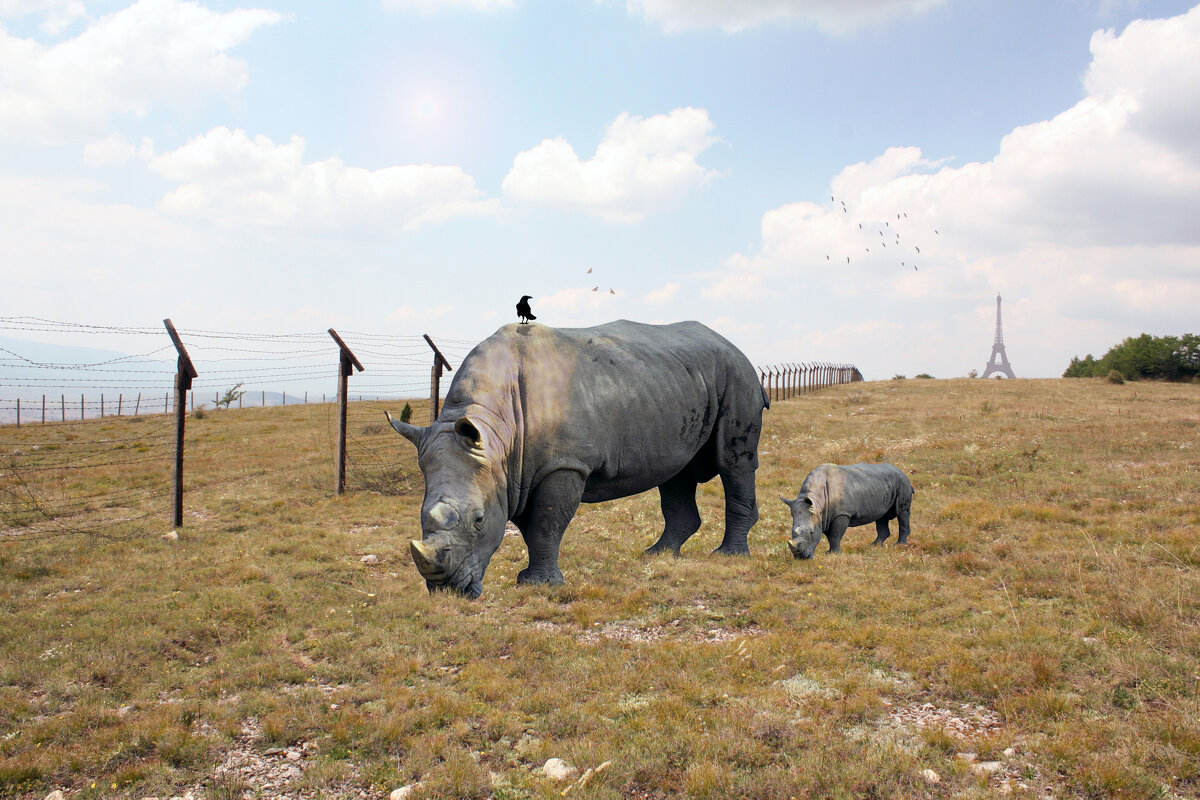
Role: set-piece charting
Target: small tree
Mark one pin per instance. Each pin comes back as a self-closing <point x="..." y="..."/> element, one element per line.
<point x="406" y="413"/>
<point x="231" y="396"/>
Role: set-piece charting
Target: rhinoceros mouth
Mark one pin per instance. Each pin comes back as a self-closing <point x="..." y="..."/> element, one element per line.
<point x="471" y="589"/>
<point x="461" y="579"/>
<point x="798" y="551"/>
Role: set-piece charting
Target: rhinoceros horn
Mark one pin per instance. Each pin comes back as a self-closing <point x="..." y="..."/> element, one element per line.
<point x="424" y="557"/>
<point x="414" y="433"/>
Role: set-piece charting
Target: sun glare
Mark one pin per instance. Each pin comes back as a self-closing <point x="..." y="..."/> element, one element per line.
<point x="425" y="108"/>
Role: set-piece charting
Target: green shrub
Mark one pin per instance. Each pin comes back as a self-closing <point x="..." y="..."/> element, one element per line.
<point x="1172" y="358"/>
<point x="1115" y="376"/>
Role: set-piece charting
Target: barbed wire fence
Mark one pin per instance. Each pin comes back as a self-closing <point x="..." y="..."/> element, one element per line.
<point x="397" y="373"/>
<point x="106" y="471"/>
<point x="788" y="380"/>
<point x="102" y="478"/>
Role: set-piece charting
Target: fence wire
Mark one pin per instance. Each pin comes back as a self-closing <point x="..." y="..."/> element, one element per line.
<point x="106" y="470"/>
<point x="87" y="445"/>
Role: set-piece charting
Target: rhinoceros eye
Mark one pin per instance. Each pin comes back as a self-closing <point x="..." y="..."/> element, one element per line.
<point x="477" y="518"/>
<point x="468" y="433"/>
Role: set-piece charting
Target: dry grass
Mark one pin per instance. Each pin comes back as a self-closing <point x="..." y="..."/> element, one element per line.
<point x="1043" y="616"/>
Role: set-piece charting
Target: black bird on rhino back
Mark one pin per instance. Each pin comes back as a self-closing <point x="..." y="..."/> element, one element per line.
<point x="523" y="309"/>
<point x="539" y="419"/>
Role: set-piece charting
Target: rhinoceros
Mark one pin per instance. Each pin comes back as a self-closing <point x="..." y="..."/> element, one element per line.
<point x="833" y="498"/>
<point x="539" y="419"/>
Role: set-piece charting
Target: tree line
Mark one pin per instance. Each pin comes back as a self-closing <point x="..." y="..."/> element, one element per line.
<point x="1145" y="357"/>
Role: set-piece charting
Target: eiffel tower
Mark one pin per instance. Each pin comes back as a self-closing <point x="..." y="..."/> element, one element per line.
<point x="999" y="360"/>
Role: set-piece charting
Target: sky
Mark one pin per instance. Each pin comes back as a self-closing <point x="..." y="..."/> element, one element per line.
<point x="817" y="180"/>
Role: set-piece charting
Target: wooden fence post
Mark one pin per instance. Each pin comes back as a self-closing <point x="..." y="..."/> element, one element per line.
<point x="184" y="375"/>
<point x="347" y="363"/>
<point x="435" y="379"/>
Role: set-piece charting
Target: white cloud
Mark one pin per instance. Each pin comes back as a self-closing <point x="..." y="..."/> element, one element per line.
<point x="57" y="15"/>
<point x="432" y="6"/>
<point x="641" y="166"/>
<point x="112" y="150"/>
<point x="236" y="181"/>
<point x="577" y="307"/>
<point x="662" y="295"/>
<point x="115" y="150"/>
<point x="152" y="52"/>
<point x="831" y="16"/>
<point x="1086" y="216"/>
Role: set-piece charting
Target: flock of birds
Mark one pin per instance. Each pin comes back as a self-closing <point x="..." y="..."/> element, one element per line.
<point x="899" y="246"/>
<point x="597" y="288"/>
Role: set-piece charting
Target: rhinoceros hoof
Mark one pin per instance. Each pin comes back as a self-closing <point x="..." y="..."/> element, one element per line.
<point x="529" y="575"/>
<point x="656" y="549"/>
<point x="733" y="550"/>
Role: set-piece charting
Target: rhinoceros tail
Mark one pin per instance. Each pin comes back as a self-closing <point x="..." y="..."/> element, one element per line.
<point x="766" y="397"/>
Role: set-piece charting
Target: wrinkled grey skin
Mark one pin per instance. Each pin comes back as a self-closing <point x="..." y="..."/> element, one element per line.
<point x="833" y="498"/>
<point x="540" y="419"/>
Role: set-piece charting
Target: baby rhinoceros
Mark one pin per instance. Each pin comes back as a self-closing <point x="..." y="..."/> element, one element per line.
<point x="833" y="498"/>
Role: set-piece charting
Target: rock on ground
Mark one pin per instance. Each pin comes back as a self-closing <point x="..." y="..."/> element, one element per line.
<point x="558" y="770"/>
<point x="404" y="792"/>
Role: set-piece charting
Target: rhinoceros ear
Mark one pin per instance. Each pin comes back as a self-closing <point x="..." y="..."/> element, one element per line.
<point x="414" y="433"/>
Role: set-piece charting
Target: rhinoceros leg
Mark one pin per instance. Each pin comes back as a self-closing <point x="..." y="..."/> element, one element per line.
<point x="741" y="509"/>
<point x="903" y="507"/>
<point x="881" y="530"/>
<point x="552" y="504"/>
<point x="837" y="529"/>
<point x="681" y="517"/>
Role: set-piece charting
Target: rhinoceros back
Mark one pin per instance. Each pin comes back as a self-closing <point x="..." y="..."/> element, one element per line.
<point x="628" y="405"/>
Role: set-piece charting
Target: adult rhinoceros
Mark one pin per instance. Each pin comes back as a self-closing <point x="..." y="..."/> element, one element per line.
<point x="539" y="419"/>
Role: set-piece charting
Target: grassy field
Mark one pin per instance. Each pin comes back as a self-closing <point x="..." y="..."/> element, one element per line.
<point x="1039" y="636"/>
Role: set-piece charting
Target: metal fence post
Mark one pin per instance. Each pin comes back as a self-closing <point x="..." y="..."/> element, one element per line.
<point x="347" y="363"/>
<point x="183" y="383"/>
<point x="435" y="379"/>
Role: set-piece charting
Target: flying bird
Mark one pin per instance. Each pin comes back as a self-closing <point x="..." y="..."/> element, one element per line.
<point x="935" y="230"/>
<point x="610" y="291"/>
<point x="595" y="288"/>
<point x="589" y="272"/>
<point x="918" y="249"/>
<point x="523" y="309"/>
